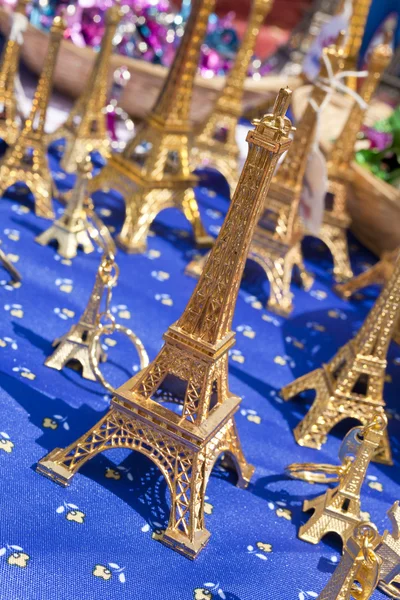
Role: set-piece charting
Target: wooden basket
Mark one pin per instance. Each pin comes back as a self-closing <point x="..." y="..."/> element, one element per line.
<point x="374" y="206"/>
<point x="74" y="65"/>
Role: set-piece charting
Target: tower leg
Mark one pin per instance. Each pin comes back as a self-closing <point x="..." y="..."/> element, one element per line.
<point x="141" y="210"/>
<point x="188" y="204"/>
<point x="322" y="523"/>
<point x="186" y="532"/>
<point x="306" y="279"/>
<point x="72" y="346"/>
<point x="42" y="190"/>
<point x="375" y="274"/>
<point x="336" y="240"/>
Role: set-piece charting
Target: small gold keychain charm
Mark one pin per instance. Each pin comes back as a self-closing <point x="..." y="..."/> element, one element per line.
<point x="338" y="510"/>
<point x="357" y="575"/>
<point x="82" y="342"/>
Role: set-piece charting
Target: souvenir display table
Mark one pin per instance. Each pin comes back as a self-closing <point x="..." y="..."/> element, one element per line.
<point x="98" y="537"/>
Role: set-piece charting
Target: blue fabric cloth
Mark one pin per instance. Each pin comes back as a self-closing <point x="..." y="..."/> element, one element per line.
<point x="65" y="542"/>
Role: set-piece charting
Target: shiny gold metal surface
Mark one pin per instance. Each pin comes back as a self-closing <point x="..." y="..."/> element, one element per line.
<point x="389" y="552"/>
<point x="354" y="36"/>
<point x="10" y="119"/>
<point x="190" y="372"/>
<point x="379" y="274"/>
<point x="277" y="238"/>
<point x="336" y="219"/>
<point x="351" y="384"/>
<point x="26" y="161"/>
<point x="215" y="142"/>
<point x="357" y="575"/>
<point x="338" y="510"/>
<point x="72" y="229"/>
<point x="85" y="129"/>
<point x="6" y="263"/>
<point x="153" y="172"/>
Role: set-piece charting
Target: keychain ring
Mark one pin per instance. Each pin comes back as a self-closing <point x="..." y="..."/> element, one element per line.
<point x="95" y="340"/>
<point x="312" y="473"/>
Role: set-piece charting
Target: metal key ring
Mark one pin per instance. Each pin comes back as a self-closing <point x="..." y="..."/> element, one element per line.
<point x="316" y="473"/>
<point x="94" y="344"/>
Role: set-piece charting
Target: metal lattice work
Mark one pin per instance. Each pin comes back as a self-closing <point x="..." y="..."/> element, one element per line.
<point x="338" y="510"/>
<point x="26" y="161"/>
<point x="192" y="367"/>
<point x="357" y="574"/>
<point x="153" y="172"/>
<point x="351" y="384"/>
<point x="336" y="219"/>
<point x="10" y="120"/>
<point x="389" y="552"/>
<point x="71" y="230"/>
<point x="85" y="129"/>
<point x="215" y="142"/>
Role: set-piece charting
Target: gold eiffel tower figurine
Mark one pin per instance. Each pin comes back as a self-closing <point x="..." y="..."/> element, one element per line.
<point x="193" y="366"/>
<point x="72" y="229"/>
<point x="73" y="346"/>
<point x="336" y="219"/>
<point x="85" y="128"/>
<point x="354" y="36"/>
<point x="338" y="510"/>
<point x="153" y="171"/>
<point x="356" y="576"/>
<point x="351" y="384"/>
<point x="26" y="161"/>
<point x="9" y="267"/>
<point x="389" y="552"/>
<point x="10" y="120"/>
<point x="215" y="142"/>
<point x="277" y="238"/>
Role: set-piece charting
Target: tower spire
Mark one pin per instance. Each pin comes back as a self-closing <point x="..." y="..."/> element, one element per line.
<point x="336" y="219"/>
<point x="26" y="161"/>
<point x="153" y="172"/>
<point x="215" y="141"/>
<point x="10" y="122"/>
<point x="351" y="384"/>
<point x="355" y="33"/>
<point x="192" y="366"/>
<point x="85" y="128"/>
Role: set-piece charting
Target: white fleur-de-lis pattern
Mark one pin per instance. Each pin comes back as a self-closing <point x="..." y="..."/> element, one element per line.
<point x="101" y="536"/>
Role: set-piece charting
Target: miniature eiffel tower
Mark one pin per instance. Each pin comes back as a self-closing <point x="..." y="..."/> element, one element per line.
<point x="85" y="129"/>
<point x="277" y="238"/>
<point x="389" y="552"/>
<point x="355" y="33"/>
<point x="26" y="161"/>
<point x="215" y="142"/>
<point x="71" y="230"/>
<point x="9" y="116"/>
<point x="153" y="172"/>
<point x="379" y="274"/>
<point x="336" y="218"/>
<point x="276" y="245"/>
<point x="351" y="384"/>
<point x="356" y="576"/>
<point x="9" y="267"/>
<point x="338" y="510"/>
<point x="73" y="347"/>
<point x="192" y="366"/>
